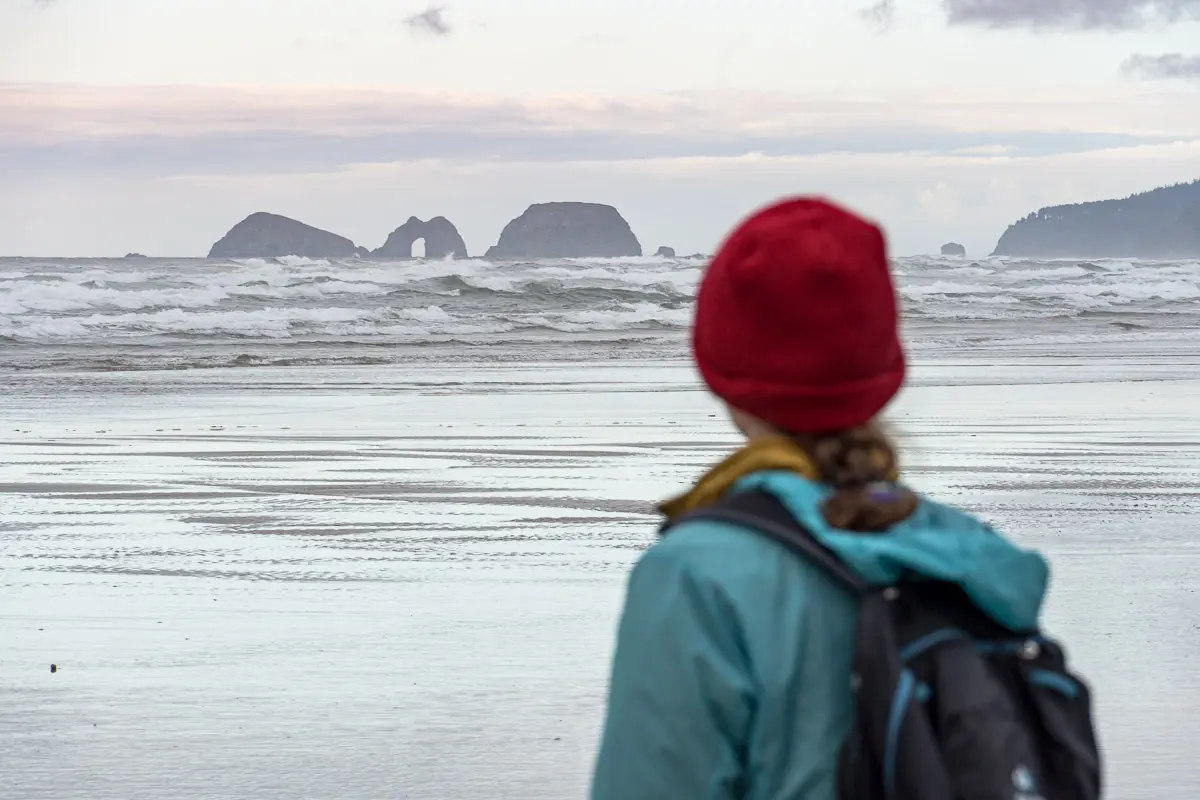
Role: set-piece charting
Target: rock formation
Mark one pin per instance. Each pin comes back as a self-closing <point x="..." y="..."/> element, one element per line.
<point x="567" y="230"/>
<point x="263" y="235"/>
<point x="665" y="252"/>
<point x="134" y="255"/>
<point x="953" y="249"/>
<point x="440" y="235"/>
<point x="1161" y="223"/>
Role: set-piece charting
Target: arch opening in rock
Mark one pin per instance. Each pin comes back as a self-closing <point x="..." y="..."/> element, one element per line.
<point x="438" y="239"/>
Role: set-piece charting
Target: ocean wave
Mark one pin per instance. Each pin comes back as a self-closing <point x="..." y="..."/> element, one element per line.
<point x="334" y="322"/>
<point x="410" y="302"/>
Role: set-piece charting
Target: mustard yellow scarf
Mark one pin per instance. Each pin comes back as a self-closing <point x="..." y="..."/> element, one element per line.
<point x="767" y="453"/>
<point x="773" y="452"/>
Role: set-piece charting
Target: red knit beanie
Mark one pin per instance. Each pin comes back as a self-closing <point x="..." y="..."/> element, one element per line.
<point x="796" y="319"/>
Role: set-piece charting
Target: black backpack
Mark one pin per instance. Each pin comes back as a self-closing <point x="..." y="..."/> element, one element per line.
<point x="949" y="705"/>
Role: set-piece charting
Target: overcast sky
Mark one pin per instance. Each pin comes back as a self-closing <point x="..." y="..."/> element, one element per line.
<point x="155" y="126"/>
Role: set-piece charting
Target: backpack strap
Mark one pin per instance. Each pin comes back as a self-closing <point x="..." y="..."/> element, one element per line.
<point x="763" y="513"/>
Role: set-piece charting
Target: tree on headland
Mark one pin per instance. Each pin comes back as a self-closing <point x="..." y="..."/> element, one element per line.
<point x="1159" y="223"/>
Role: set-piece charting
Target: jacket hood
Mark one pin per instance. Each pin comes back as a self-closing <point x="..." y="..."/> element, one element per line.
<point x="942" y="543"/>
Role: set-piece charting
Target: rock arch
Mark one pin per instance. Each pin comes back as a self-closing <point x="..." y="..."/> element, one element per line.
<point x="441" y="240"/>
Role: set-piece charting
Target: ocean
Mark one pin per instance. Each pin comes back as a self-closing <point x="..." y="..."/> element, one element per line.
<point x="156" y="314"/>
<point x="299" y="529"/>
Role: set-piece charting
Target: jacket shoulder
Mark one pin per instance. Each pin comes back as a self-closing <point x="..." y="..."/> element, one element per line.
<point x="706" y="546"/>
<point x="732" y="556"/>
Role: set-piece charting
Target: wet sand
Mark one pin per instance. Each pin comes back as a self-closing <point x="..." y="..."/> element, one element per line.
<point x="402" y="582"/>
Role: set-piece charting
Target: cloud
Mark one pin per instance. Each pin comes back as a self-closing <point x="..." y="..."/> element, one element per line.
<point x="881" y="15"/>
<point x="54" y="113"/>
<point x="432" y="20"/>
<point x="1070" y="14"/>
<point x="986" y="150"/>
<point x="281" y="153"/>
<point x="196" y="130"/>
<point x="1166" y="66"/>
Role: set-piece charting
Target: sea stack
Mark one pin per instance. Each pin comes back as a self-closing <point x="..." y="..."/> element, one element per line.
<point x="953" y="249"/>
<point x="442" y="240"/>
<point x="263" y="235"/>
<point x="665" y="252"/>
<point x="567" y="230"/>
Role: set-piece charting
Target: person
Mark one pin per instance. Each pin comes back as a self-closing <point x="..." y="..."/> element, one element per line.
<point x="731" y="673"/>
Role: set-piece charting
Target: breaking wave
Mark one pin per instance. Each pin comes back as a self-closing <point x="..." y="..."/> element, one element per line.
<point x="180" y="302"/>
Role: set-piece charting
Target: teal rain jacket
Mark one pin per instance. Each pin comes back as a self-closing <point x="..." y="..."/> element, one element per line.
<point x="731" y="677"/>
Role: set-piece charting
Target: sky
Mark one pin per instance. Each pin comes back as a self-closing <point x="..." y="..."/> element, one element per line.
<point x="155" y="125"/>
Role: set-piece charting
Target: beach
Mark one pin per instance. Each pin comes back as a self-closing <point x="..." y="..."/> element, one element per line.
<point x="364" y="582"/>
<point x="284" y="560"/>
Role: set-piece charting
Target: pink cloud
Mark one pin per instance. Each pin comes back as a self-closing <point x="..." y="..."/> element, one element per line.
<point x="48" y="113"/>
